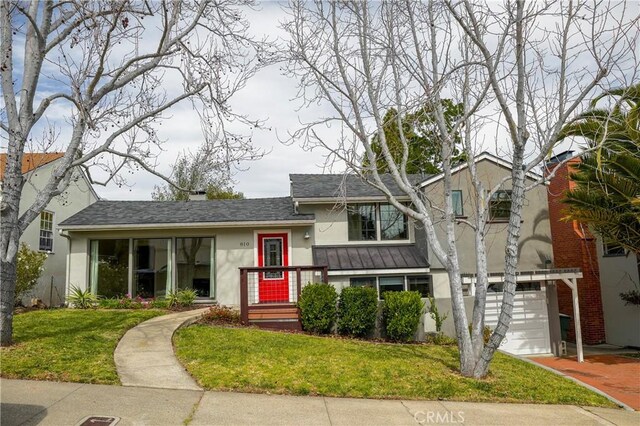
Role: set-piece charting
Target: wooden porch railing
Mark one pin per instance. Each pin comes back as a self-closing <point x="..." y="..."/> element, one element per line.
<point x="282" y="314"/>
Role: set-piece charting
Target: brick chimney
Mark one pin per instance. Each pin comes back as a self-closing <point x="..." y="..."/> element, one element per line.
<point x="574" y="247"/>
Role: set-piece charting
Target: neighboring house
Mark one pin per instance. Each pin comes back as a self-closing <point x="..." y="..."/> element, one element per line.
<point x="42" y="234"/>
<point x="259" y="253"/>
<point x="607" y="270"/>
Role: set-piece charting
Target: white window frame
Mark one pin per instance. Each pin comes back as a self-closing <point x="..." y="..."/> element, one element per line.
<point x="53" y="218"/>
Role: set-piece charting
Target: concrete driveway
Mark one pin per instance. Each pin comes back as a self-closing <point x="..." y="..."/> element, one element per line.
<point x="616" y="375"/>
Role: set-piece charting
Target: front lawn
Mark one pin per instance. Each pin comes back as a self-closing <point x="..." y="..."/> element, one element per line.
<point x="68" y="345"/>
<point x="252" y="360"/>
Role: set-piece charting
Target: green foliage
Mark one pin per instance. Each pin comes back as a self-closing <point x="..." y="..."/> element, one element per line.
<point x="435" y="314"/>
<point x="441" y="339"/>
<point x="357" y="311"/>
<point x="159" y="304"/>
<point x="68" y="345"/>
<point x="402" y="312"/>
<point x="82" y="299"/>
<point x="114" y="279"/>
<point x="29" y="268"/>
<point x="181" y="298"/>
<point x="198" y="172"/>
<point x="607" y="191"/>
<point x="486" y="333"/>
<point x="423" y="139"/>
<point x="127" y="303"/>
<point x="318" y="307"/>
<point x="246" y="359"/>
<point x="221" y="315"/>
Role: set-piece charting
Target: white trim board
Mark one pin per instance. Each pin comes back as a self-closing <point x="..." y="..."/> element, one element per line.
<point x="364" y="272"/>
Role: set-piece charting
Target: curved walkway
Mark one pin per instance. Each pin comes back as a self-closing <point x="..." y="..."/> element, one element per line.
<point x="144" y="356"/>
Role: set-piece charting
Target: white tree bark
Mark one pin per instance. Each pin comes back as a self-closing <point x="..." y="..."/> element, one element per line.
<point x="512" y="65"/>
<point x="109" y="62"/>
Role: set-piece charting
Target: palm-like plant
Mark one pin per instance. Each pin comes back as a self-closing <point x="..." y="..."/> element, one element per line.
<point x="607" y="191"/>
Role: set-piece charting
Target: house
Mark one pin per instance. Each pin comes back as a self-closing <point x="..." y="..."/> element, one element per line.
<point x="259" y="253"/>
<point x="41" y="233"/>
<point x="607" y="270"/>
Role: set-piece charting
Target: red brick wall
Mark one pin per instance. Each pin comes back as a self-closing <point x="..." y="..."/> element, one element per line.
<point x="575" y="247"/>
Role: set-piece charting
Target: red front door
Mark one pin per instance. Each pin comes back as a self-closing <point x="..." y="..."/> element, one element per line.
<point x="273" y="251"/>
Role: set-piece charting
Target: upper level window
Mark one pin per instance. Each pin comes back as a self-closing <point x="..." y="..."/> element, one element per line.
<point x="46" y="231"/>
<point x="613" y="249"/>
<point x="500" y="205"/>
<point x="362" y="222"/>
<point x="393" y="223"/>
<point x="456" y="197"/>
<point x="375" y="222"/>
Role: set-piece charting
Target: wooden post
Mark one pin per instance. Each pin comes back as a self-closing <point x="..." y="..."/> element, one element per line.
<point x="244" y="297"/>
<point x="298" y="283"/>
<point x="325" y="274"/>
<point x="573" y="285"/>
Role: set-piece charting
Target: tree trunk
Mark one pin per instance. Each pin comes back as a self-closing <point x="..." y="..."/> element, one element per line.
<point x="7" y="296"/>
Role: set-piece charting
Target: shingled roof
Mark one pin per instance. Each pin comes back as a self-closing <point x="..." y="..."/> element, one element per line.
<point x="353" y="258"/>
<point x="332" y="186"/>
<point x="109" y="213"/>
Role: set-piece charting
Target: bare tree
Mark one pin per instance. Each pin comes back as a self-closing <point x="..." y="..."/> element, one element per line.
<point x="521" y="68"/>
<point x="94" y="79"/>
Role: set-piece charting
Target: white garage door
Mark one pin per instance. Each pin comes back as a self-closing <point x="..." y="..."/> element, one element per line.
<point x="529" y="330"/>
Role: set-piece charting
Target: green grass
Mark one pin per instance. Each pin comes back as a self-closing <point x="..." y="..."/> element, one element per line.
<point x="252" y="360"/>
<point x="68" y="345"/>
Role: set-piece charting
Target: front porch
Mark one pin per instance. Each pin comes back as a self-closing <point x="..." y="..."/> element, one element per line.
<point x="269" y="295"/>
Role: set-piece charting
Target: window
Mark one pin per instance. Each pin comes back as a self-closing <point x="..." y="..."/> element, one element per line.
<point x="421" y="284"/>
<point x="525" y="286"/>
<point x="393" y="223"/>
<point x="363" y="282"/>
<point x="363" y="222"/>
<point x="109" y="267"/>
<point x="613" y="249"/>
<point x="272" y="252"/>
<point x="500" y="205"/>
<point x="456" y="197"/>
<point x="151" y="267"/>
<point x="194" y="257"/>
<point x="46" y="231"/>
<point x="390" y="284"/>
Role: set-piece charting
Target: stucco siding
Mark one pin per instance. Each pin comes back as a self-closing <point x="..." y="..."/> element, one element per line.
<point x="235" y="248"/>
<point x="77" y="196"/>
<point x="619" y="274"/>
<point x="535" y="237"/>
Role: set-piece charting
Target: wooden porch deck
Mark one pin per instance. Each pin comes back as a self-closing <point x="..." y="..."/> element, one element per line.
<point x="281" y="315"/>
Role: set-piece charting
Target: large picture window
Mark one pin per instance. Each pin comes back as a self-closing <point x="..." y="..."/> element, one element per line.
<point x="152" y="267"/>
<point x="376" y="222"/>
<point x="194" y="265"/>
<point x="109" y="267"/>
<point x="46" y="231"/>
<point x="419" y="283"/>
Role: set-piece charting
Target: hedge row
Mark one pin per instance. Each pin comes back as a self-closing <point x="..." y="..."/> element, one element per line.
<point x="356" y="310"/>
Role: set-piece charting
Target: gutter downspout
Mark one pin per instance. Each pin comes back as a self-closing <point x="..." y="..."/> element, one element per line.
<point x="68" y="265"/>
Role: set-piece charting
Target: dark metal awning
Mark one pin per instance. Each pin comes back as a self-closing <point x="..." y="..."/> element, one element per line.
<point x="370" y="258"/>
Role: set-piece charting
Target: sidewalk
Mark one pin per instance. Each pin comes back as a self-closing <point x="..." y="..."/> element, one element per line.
<point x="51" y="403"/>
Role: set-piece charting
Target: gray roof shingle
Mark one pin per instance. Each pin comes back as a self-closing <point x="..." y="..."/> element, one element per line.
<point x="353" y="258"/>
<point x="338" y="185"/>
<point x="104" y="213"/>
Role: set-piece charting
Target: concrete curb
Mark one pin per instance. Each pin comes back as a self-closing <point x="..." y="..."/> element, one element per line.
<point x="577" y="381"/>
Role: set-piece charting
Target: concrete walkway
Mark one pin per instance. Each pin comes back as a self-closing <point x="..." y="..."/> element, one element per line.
<point x="144" y="356"/>
<point x="50" y="403"/>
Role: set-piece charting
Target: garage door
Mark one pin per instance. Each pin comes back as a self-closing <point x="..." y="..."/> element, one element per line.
<point x="529" y="330"/>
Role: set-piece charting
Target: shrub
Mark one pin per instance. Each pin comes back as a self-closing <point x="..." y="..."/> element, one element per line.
<point x="221" y="315"/>
<point x="441" y="339"/>
<point x="402" y="312"/>
<point x="108" y="303"/>
<point x="357" y="310"/>
<point x="28" y="270"/>
<point x="181" y="298"/>
<point x="159" y="304"/>
<point x="435" y="314"/>
<point x="318" y="307"/>
<point x="82" y="299"/>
